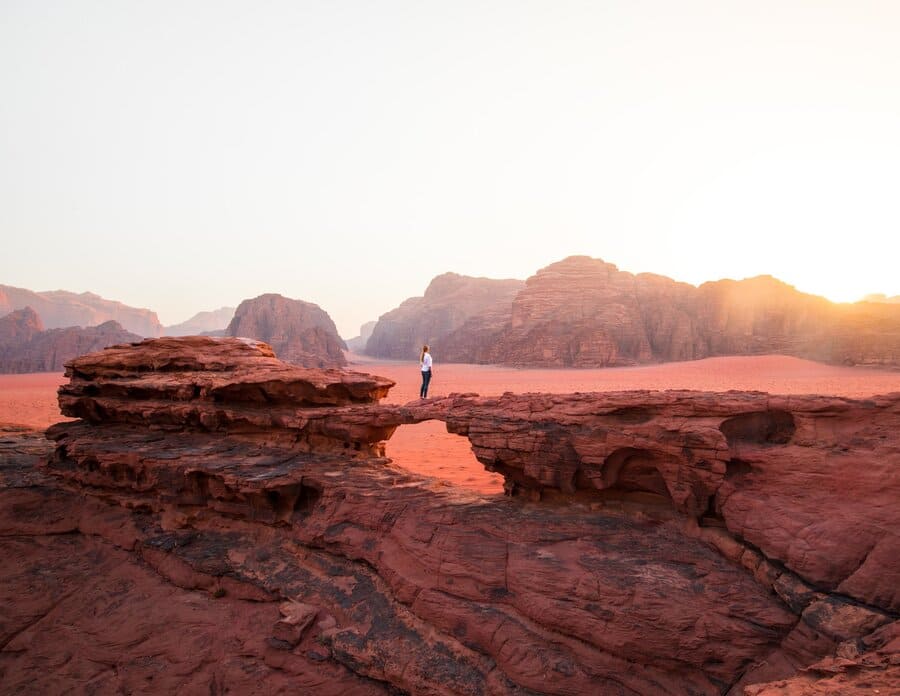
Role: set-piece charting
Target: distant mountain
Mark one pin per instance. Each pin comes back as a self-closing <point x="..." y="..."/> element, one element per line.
<point x="59" y="308"/>
<point x="26" y="346"/>
<point x="584" y="312"/>
<point x="449" y="301"/>
<point x="202" y="323"/>
<point x="299" y="332"/>
<point x="881" y="297"/>
<point x="358" y="343"/>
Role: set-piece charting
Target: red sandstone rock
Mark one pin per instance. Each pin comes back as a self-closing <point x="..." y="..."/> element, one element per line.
<point x="449" y="302"/>
<point x="762" y="466"/>
<point x="231" y="386"/>
<point x="296" y="617"/>
<point x="20" y="327"/>
<point x="300" y="332"/>
<point x="675" y="543"/>
<point x="868" y="667"/>
<point x="583" y="312"/>
<point x="61" y="309"/>
<point x="26" y="347"/>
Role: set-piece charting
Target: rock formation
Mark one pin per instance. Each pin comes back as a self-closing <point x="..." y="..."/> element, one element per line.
<point x="300" y="332"/>
<point x="449" y="301"/>
<point x="62" y="309"/>
<point x="20" y="327"/>
<point x="358" y="343"/>
<point x="25" y="346"/>
<point x="583" y="312"/>
<point x="655" y="542"/>
<point x="202" y="323"/>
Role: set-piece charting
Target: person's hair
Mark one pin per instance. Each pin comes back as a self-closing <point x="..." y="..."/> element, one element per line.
<point x="424" y="350"/>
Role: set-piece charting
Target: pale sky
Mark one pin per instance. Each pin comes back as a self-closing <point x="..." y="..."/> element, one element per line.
<point x="186" y="155"/>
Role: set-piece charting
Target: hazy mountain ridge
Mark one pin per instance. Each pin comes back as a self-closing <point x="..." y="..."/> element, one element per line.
<point x="584" y="312"/>
<point x="64" y="309"/>
<point x="26" y="346"/>
<point x="216" y="320"/>
<point x="358" y="343"/>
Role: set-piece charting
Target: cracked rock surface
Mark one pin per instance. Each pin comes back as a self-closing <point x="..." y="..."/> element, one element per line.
<point x="221" y="522"/>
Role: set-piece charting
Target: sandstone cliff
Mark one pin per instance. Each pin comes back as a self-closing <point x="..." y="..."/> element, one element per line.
<point x="202" y="323"/>
<point x="219" y="517"/>
<point x="25" y="346"/>
<point x="584" y="312"/>
<point x="449" y="301"/>
<point x="300" y="332"/>
<point x="61" y="309"/>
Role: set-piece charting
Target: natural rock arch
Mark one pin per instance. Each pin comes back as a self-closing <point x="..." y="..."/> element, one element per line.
<point x="427" y="447"/>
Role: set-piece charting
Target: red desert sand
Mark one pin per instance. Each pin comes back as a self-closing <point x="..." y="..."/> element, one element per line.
<point x="428" y="449"/>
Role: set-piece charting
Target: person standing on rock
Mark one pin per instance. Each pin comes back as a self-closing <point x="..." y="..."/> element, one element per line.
<point x="425" y="363"/>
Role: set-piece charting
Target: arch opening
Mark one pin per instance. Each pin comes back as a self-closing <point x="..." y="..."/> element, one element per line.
<point x="772" y="427"/>
<point x="628" y="474"/>
<point x="427" y="448"/>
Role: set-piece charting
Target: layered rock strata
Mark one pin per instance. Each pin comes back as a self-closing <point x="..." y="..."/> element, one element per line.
<point x="301" y="333"/>
<point x="663" y="543"/>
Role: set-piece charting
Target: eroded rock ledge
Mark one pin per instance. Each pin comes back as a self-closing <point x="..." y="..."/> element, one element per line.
<point x="676" y="542"/>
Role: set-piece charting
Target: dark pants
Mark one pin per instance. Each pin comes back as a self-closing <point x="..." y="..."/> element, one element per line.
<point x="426" y="378"/>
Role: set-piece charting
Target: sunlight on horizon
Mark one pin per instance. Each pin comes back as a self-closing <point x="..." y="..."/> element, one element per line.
<point x="183" y="157"/>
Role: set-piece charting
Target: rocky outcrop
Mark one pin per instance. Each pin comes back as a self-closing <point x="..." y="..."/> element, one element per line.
<point x="584" y="312"/>
<point x="300" y="332"/>
<point x="202" y="323"/>
<point x="670" y="542"/>
<point x="25" y="346"/>
<point x="62" y="309"/>
<point x="449" y="302"/>
<point x="868" y="666"/>
<point x="761" y="466"/>
<point x="20" y="327"/>
<point x="358" y="343"/>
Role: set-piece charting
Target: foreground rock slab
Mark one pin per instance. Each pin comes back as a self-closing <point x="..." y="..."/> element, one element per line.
<point x="218" y="519"/>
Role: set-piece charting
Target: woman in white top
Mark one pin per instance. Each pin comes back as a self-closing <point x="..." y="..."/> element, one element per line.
<point x="425" y="361"/>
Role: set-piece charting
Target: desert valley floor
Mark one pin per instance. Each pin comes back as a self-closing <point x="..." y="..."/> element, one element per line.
<point x="427" y="448"/>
